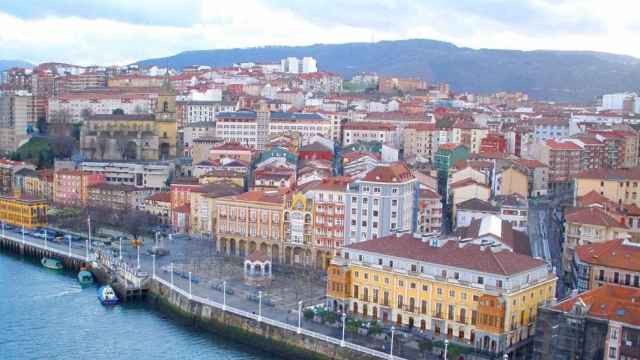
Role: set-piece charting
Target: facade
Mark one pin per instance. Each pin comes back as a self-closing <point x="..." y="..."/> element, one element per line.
<point x="23" y="211"/>
<point x="611" y="262"/>
<point x="446" y="156"/>
<point x="537" y="176"/>
<point x="429" y="212"/>
<point x="514" y="208"/>
<point x="251" y="221"/>
<point x="487" y="299"/>
<point x="147" y="175"/>
<point x="602" y="323"/>
<point x="117" y="197"/>
<point x="71" y="187"/>
<point x="381" y="203"/>
<point x="588" y="226"/>
<point x="76" y="106"/>
<point x="512" y="181"/>
<point x="159" y="204"/>
<point x="420" y="140"/>
<point x="563" y="160"/>
<point x="619" y="185"/>
<point x="17" y="119"/>
<point x="133" y="137"/>
<point x="355" y="132"/>
<point x="473" y="209"/>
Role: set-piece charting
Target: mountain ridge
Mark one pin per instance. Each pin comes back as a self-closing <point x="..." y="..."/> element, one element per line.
<point x="572" y="75"/>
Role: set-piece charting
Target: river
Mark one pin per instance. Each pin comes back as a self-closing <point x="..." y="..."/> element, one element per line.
<point x="46" y="315"/>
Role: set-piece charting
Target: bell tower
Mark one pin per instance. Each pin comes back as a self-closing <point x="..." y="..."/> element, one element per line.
<point x="166" y="128"/>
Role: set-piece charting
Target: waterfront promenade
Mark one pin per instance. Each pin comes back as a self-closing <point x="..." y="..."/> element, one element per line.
<point x="197" y="292"/>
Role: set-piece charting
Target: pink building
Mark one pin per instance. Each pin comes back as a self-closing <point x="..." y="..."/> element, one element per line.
<point x="70" y="187"/>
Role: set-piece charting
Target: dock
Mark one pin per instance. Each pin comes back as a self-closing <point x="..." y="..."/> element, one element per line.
<point x="106" y="269"/>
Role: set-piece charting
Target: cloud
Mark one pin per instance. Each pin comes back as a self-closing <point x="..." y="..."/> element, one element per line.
<point x="123" y="31"/>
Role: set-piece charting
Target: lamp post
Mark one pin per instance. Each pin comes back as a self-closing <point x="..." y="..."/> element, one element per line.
<point x="153" y="266"/>
<point x="120" y="249"/>
<point x="171" y="276"/>
<point x="299" y="316"/>
<point x="393" y="330"/>
<point x="23" y="242"/>
<point x="259" y="305"/>
<point x="446" y="345"/>
<point x="89" y="228"/>
<point x="505" y="356"/>
<point x="190" y="296"/>
<point x="224" y="295"/>
<point x="86" y="249"/>
<point x="344" y="325"/>
<point x="45" y="239"/>
<point x="138" y="247"/>
<point x="3" y="229"/>
<point x="69" y="237"/>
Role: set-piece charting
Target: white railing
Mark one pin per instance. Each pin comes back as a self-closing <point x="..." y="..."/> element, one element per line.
<point x="52" y="248"/>
<point x="246" y="314"/>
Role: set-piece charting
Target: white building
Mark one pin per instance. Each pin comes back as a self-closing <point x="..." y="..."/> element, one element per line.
<point x="309" y="65"/>
<point x="616" y="102"/>
<point x="151" y="175"/>
<point x="101" y="103"/>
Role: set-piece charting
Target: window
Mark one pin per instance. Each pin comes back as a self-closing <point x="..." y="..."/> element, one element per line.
<point x="379" y="261"/>
<point x="480" y="280"/>
<point x="414" y="268"/>
<point x="616" y="277"/>
<point x="452" y="293"/>
<point x="456" y="275"/>
<point x="390" y="263"/>
<point x="400" y="283"/>
<point x="612" y="352"/>
<point x="400" y="299"/>
<point x="439" y="291"/>
<point x="601" y="275"/>
<point x="499" y="283"/>
<point x="451" y="312"/>
<point x="394" y="202"/>
<point x="413" y="285"/>
<point x="425" y="288"/>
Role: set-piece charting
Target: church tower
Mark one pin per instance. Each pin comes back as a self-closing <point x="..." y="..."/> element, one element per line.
<point x="166" y="126"/>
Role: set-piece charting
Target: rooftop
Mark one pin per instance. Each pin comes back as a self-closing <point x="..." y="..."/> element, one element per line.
<point x="394" y="173"/>
<point x="592" y="216"/>
<point x="611" y="174"/>
<point x="619" y="254"/>
<point x="610" y="302"/>
<point x="476" y="204"/>
<point x="469" y="256"/>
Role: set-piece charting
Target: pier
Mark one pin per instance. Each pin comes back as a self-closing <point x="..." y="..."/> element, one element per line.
<point x="289" y="341"/>
<point x="106" y="269"/>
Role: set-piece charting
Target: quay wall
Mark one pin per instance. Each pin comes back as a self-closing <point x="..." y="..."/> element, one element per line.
<point x="270" y="338"/>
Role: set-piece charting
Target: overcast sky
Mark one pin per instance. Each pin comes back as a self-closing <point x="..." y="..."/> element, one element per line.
<point x="123" y="31"/>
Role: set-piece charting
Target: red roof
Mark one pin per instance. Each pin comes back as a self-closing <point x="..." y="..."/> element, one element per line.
<point x="611" y="174"/>
<point x="469" y="256"/>
<point x="567" y="145"/>
<point x="394" y="173"/>
<point x="163" y="196"/>
<point x="466" y="182"/>
<point x="610" y="302"/>
<point x="592" y="216"/>
<point x="613" y="253"/>
<point x="369" y="126"/>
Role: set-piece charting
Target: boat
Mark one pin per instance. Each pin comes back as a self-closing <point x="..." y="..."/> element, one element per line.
<point x="85" y="277"/>
<point x="107" y="295"/>
<point x="51" y="263"/>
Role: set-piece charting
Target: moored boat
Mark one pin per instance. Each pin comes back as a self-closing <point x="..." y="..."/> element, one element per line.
<point x="51" y="263"/>
<point x="85" y="277"/>
<point x="107" y="295"/>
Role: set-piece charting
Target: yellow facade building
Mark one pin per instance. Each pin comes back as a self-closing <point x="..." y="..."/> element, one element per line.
<point x="512" y="181"/>
<point x="469" y="293"/>
<point x="619" y="185"/>
<point x="23" y="211"/>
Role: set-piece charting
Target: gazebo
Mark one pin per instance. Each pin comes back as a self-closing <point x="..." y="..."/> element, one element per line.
<point x="257" y="269"/>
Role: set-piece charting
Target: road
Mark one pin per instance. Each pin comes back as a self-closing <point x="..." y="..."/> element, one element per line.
<point x="545" y="235"/>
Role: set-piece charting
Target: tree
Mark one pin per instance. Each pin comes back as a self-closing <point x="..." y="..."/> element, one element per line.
<point x="136" y="222"/>
<point x="60" y="123"/>
<point x="425" y="345"/>
<point x="375" y="328"/>
<point x="331" y="317"/>
<point x="41" y="124"/>
<point x="308" y="314"/>
<point x="118" y="111"/>
<point x="62" y="146"/>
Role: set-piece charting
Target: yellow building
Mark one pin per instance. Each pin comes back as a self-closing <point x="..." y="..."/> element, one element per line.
<point x="23" y="211"/>
<point x="513" y="181"/>
<point x="619" y="185"/>
<point x="469" y="293"/>
<point x="588" y="225"/>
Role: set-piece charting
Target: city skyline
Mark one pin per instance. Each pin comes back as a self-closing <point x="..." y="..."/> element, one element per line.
<point x="40" y="31"/>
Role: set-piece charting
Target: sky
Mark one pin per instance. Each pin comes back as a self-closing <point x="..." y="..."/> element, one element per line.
<point x="105" y="32"/>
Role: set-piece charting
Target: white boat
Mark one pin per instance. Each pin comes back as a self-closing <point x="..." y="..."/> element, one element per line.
<point x="107" y="295"/>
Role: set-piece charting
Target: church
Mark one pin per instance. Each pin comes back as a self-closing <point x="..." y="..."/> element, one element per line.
<point x="131" y="137"/>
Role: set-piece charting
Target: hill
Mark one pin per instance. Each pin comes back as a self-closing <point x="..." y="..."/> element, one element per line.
<point x="544" y="75"/>
<point x="8" y="64"/>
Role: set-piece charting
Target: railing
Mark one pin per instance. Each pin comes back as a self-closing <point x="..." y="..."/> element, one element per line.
<point x="246" y="314"/>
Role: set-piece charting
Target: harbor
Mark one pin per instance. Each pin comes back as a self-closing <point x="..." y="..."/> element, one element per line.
<point x="133" y="285"/>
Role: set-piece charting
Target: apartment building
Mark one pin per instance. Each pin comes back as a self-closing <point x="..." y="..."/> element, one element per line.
<point x="611" y="262"/>
<point x="480" y="296"/>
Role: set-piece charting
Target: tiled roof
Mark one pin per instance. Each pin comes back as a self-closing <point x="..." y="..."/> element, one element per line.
<point x="469" y="256"/>
<point x="230" y="146"/>
<point x="592" y="216"/>
<point x="611" y="174"/>
<point x="613" y="253"/>
<point x="516" y="240"/>
<point x="476" y="204"/>
<point x="394" y="173"/>
<point x="428" y="194"/>
<point x="610" y="302"/>
<point x="466" y="182"/>
<point x="125" y="117"/>
<point x="529" y="163"/>
<point x="163" y="196"/>
<point x="368" y="126"/>
<point x="336" y="183"/>
<point x="260" y="196"/>
<point x="566" y="145"/>
<point x="316" y="146"/>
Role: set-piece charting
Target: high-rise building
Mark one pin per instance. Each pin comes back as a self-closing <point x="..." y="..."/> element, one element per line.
<point x="17" y="120"/>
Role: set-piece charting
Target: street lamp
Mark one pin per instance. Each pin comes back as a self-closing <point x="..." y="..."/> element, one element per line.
<point x="138" y="247"/>
<point x="171" y="276"/>
<point x="259" y="305"/>
<point x="505" y="356"/>
<point x="393" y="330"/>
<point x="120" y="249"/>
<point x="190" y="296"/>
<point x="69" y="237"/>
<point x="153" y="271"/>
<point x="446" y="345"/>
<point x="88" y="228"/>
<point x="3" y="229"/>
<point x="224" y="295"/>
<point x="299" y="315"/>
<point x="45" y="239"/>
<point x="344" y="322"/>
<point x="23" y="242"/>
